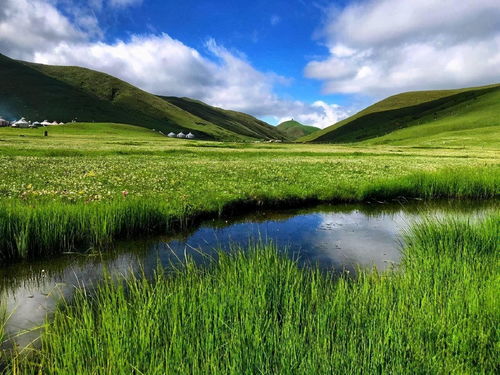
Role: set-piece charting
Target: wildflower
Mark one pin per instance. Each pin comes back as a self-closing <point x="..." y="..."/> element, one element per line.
<point x="124" y="193"/>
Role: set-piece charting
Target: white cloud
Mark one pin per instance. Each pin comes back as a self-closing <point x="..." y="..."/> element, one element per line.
<point x="319" y="114"/>
<point x="274" y="20"/>
<point x="155" y="62"/>
<point x="26" y="25"/>
<point x="387" y="46"/>
<point x="165" y="66"/>
<point x="158" y="64"/>
<point x="124" y="3"/>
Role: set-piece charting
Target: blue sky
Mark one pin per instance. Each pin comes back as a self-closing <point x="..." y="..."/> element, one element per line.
<point x="276" y="36"/>
<point x="316" y="61"/>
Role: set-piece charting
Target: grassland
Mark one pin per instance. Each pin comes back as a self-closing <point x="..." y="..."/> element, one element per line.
<point x="423" y="118"/>
<point x="257" y="312"/>
<point x="87" y="184"/>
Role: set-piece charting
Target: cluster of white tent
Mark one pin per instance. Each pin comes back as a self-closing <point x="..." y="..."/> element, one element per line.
<point x="181" y="135"/>
<point x="23" y="123"/>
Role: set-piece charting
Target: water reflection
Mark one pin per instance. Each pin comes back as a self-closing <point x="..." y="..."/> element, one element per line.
<point x="340" y="237"/>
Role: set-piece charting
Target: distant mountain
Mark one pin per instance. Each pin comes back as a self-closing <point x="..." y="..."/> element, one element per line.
<point x="404" y="118"/>
<point x="63" y="93"/>
<point x="294" y="129"/>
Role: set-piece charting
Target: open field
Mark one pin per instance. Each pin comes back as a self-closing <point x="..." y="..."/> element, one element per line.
<point x="257" y="312"/>
<point x="86" y="184"/>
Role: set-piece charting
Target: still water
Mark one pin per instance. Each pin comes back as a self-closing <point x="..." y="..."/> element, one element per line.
<point x="332" y="237"/>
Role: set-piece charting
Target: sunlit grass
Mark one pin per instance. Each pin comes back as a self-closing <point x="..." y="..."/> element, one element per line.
<point x="35" y="230"/>
<point x="87" y="184"/>
<point x="258" y="312"/>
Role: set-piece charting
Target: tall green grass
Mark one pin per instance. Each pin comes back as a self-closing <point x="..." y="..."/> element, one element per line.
<point x="4" y="359"/>
<point x="257" y="312"/>
<point x="3" y="321"/>
<point x="31" y="231"/>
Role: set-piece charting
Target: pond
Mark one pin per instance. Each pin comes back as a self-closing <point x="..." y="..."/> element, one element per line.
<point x="336" y="238"/>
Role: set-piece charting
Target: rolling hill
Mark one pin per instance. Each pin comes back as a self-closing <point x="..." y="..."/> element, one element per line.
<point x="441" y="117"/>
<point x="63" y="93"/>
<point x="237" y="122"/>
<point x="294" y="129"/>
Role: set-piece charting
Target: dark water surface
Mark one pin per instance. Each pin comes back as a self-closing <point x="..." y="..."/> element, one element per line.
<point x="333" y="237"/>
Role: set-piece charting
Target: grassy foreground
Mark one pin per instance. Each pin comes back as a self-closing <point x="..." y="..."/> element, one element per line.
<point x="86" y="184"/>
<point x="257" y="312"/>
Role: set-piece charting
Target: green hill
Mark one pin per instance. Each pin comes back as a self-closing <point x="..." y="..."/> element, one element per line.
<point x="237" y="122"/>
<point x="412" y="117"/>
<point x="294" y="129"/>
<point x="63" y="93"/>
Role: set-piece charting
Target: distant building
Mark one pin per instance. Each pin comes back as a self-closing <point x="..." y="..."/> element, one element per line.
<point x="55" y="123"/>
<point x="190" y="135"/>
<point x="172" y="135"/>
<point x="22" y="123"/>
<point x="35" y="124"/>
<point x="4" y="122"/>
<point x="181" y="135"/>
<point x="45" y="123"/>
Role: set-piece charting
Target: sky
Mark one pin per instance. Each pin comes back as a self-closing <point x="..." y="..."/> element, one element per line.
<point x="314" y="61"/>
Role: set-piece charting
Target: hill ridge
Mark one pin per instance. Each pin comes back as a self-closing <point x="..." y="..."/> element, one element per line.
<point x="410" y="109"/>
<point x="67" y="92"/>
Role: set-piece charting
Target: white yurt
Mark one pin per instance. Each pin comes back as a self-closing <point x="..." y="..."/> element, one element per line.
<point x="55" y="123"/>
<point x="190" y="135"/>
<point x="35" y="124"/>
<point x="181" y="135"/>
<point x="61" y="123"/>
<point x="45" y="123"/>
<point x="3" y="122"/>
<point x="172" y="135"/>
<point x="22" y="123"/>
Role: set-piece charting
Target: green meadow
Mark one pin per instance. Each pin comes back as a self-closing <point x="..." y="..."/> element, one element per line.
<point x="86" y="184"/>
<point x="251" y="311"/>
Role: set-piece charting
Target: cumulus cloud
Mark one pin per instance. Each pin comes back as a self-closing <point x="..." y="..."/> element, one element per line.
<point x="26" y="25"/>
<point x="156" y="63"/>
<point x="386" y="46"/>
<point x="319" y="113"/>
<point x="166" y="66"/>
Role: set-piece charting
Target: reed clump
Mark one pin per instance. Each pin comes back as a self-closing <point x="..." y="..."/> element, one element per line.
<point x="32" y="230"/>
